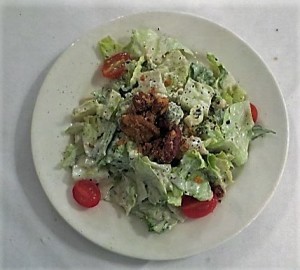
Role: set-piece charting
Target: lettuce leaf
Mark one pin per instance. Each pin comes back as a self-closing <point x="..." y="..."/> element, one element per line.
<point x="124" y="192"/>
<point x="219" y="169"/>
<point x="195" y="99"/>
<point x="108" y="47"/>
<point x="196" y="94"/>
<point x="96" y="136"/>
<point x="152" y="45"/>
<point x="155" y="177"/>
<point x="158" y="217"/>
<point x="235" y="133"/>
<point x="189" y="176"/>
<point x="174" y="69"/>
<point x="150" y="79"/>
<point x="230" y="90"/>
<point x="69" y="156"/>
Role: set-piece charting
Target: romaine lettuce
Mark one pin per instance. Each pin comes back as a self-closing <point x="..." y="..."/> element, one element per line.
<point x="155" y="177"/>
<point x="124" y="193"/>
<point x="219" y="169"/>
<point x="69" y="156"/>
<point x="230" y="90"/>
<point x="108" y="47"/>
<point x="174" y="69"/>
<point x="150" y="80"/>
<point x="152" y="45"/>
<point x="235" y="133"/>
<point x="189" y="176"/>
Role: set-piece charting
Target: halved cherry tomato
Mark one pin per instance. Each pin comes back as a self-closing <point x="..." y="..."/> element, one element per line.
<point x="253" y="112"/>
<point x="114" y="67"/>
<point x="193" y="208"/>
<point x="86" y="193"/>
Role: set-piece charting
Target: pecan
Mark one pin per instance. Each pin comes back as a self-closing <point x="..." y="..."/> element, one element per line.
<point x="137" y="128"/>
<point x="160" y="105"/>
<point x="165" y="149"/>
<point x="146" y="124"/>
<point x="171" y="145"/>
<point x="142" y="102"/>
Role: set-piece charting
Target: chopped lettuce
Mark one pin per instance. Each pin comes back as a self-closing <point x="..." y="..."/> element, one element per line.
<point x="88" y="107"/>
<point x="175" y="68"/>
<point x="196" y="143"/>
<point x="123" y="106"/>
<point x="88" y="172"/>
<point x="225" y="82"/>
<point x="189" y="177"/>
<point x="152" y="45"/>
<point x="124" y="193"/>
<point x="235" y="134"/>
<point x="175" y="196"/>
<point x="155" y="177"/>
<point x="108" y="47"/>
<point x="137" y="71"/>
<point x="117" y="157"/>
<point x="69" y="156"/>
<point x="109" y="99"/>
<point x="219" y="169"/>
<point x="218" y="69"/>
<point x="196" y="94"/>
<point x="196" y="99"/>
<point x="75" y="128"/>
<point x="237" y="126"/>
<point x="112" y="102"/>
<point x="158" y="217"/>
<point x="150" y="80"/>
<point x="96" y="136"/>
<point x="104" y="104"/>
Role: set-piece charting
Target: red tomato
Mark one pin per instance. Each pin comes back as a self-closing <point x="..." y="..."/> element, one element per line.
<point x="253" y="112"/>
<point x="86" y="193"/>
<point x="114" y="67"/>
<point x="193" y="208"/>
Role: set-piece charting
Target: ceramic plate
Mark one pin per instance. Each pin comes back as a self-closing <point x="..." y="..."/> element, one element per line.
<point x="74" y="75"/>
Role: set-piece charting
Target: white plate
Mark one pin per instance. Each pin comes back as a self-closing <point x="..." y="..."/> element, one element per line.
<point x="74" y="75"/>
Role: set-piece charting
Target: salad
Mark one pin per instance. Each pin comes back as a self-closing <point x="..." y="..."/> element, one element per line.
<point x="161" y="139"/>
